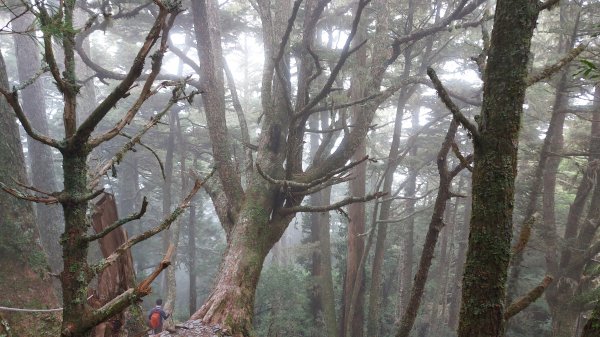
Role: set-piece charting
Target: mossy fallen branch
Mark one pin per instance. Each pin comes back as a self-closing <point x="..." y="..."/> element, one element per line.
<point x="523" y="302"/>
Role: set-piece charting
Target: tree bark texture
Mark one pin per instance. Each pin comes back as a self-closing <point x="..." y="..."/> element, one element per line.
<point x="495" y="169"/>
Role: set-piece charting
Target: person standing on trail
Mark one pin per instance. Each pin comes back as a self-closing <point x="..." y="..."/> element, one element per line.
<point x="156" y="317"/>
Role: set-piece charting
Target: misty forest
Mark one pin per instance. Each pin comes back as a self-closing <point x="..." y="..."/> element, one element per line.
<point x="310" y="168"/>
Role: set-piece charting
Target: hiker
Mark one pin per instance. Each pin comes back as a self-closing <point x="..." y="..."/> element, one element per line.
<point x="156" y="317"/>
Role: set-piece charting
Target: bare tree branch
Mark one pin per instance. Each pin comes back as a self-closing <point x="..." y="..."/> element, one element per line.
<point x="464" y="121"/>
<point x="299" y="185"/>
<point x="337" y="205"/>
<point x="48" y="199"/>
<point x="104" y="263"/>
<point x="459" y="12"/>
<point x="396" y="220"/>
<point x="474" y="100"/>
<point x="465" y="163"/>
<point x="317" y="188"/>
<point x="14" y="16"/>
<point x="13" y="100"/>
<point x="186" y="59"/>
<point x="119" y="223"/>
<point x="82" y="198"/>
<point x="146" y="92"/>
<point x="33" y="188"/>
<point x="288" y="30"/>
<point x="524" y="235"/>
<point x="136" y="139"/>
<point x="46" y="21"/>
<point x="162" y="24"/>
<point x="241" y="117"/>
<point x="160" y="164"/>
<point x="346" y="52"/>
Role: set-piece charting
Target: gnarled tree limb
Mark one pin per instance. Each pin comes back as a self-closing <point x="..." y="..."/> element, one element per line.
<point x="439" y="88"/>
<point x="337" y="205"/>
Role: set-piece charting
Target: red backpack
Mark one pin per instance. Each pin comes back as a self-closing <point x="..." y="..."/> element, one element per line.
<point x="155" y="319"/>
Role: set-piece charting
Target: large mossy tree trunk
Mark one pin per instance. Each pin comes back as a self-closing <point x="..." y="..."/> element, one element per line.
<point x="232" y="300"/>
<point x="496" y="144"/>
<point x="24" y="277"/>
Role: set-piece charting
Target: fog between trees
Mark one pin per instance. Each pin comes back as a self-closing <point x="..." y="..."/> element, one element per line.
<point x="300" y="168"/>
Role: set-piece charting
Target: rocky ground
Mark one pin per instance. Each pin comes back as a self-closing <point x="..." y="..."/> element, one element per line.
<point x="193" y="329"/>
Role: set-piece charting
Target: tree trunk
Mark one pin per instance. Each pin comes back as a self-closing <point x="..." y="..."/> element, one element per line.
<point x="393" y="163"/>
<point x="167" y="197"/>
<point x="118" y="277"/>
<point x="549" y="233"/>
<point x="442" y="271"/>
<point x="128" y="198"/>
<point x="496" y="145"/>
<point x="232" y="298"/>
<point x="407" y="255"/>
<point x="192" y="257"/>
<point x="254" y="218"/>
<point x="326" y="278"/>
<point x="39" y="155"/>
<point x="384" y="212"/>
<point x="322" y="299"/>
<point x="435" y="226"/>
<point x="20" y="252"/>
<point x="356" y="244"/>
<point x="76" y="272"/>
<point x="175" y="229"/>
<point x="354" y="280"/>
<point x="461" y="255"/>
